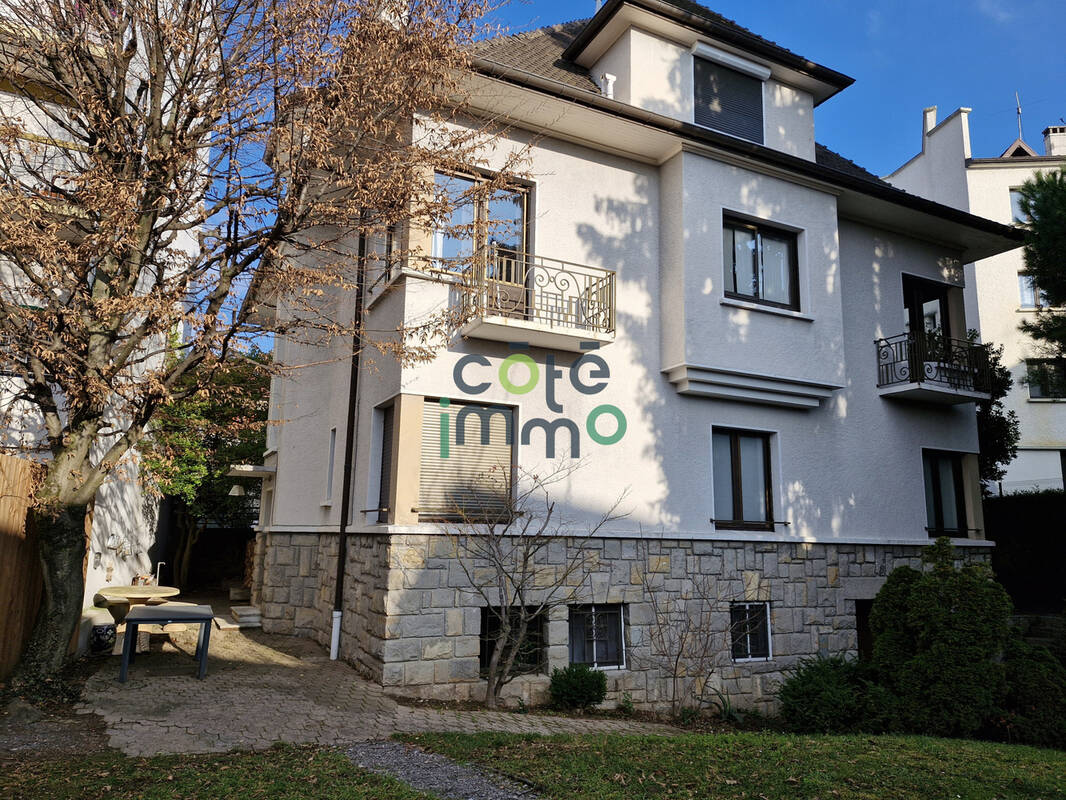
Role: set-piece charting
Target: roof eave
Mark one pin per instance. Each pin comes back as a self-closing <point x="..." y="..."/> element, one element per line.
<point x="1011" y="237"/>
<point x="748" y="41"/>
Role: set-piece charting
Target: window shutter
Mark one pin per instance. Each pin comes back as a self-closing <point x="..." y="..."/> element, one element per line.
<point x="474" y="480"/>
<point x="727" y="100"/>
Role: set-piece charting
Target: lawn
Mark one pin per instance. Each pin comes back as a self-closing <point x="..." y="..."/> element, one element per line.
<point x="281" y="773"/>
<point x="753" y="765"/>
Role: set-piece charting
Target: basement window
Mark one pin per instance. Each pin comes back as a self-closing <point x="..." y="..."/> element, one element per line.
<point x="596" y="635"/>
<point x="749" y="630"/>
<point x="532" y="651"/>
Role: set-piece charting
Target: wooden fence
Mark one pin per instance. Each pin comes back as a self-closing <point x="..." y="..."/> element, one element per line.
<point x="20" y="569"/>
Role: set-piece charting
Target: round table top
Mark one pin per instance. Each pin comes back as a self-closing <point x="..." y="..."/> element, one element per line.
<point x="137" y="592"/>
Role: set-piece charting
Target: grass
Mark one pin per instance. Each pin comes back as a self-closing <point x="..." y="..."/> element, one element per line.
<point x="281" y="773"/>
<point x="753" y="765"/>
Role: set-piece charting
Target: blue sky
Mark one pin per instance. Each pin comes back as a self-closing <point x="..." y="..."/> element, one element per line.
<point x="904" y="55"/>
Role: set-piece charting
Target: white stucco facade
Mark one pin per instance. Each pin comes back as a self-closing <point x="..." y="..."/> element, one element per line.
<point x="947" y="171"/>
<point x="616" y="185"/>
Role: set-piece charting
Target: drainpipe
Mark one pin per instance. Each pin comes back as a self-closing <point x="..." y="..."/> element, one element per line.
<point x="349" y="452"/>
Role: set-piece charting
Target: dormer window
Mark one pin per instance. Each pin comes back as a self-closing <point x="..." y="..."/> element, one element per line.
<point x="728" y="93"/>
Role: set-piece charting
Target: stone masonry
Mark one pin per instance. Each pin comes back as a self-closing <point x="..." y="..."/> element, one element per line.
<point x="412" y="622"/>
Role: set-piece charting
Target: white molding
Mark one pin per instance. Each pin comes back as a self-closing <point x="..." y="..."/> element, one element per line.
<point x="762" y="307"/>
<point x="755" y="70"/>
<point x="749" y="387"/>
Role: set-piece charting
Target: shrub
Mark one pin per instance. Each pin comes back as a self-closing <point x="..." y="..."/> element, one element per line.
<point x="938" y="637"/>
<point x="577" y="686"/>
<point x="1035" y="701"/>
<point x="835" y="694"/>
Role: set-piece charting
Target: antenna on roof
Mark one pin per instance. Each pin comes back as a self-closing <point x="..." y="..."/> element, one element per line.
<point x="1018" y="101"/>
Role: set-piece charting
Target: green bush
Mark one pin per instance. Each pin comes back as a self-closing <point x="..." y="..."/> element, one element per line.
<point x="835" y="694"/>
<point x="1035" y="701"/>
<point x="577" y="686"/>
<point x="938" y="638"/>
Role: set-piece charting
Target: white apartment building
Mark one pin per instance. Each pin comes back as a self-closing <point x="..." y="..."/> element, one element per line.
<point x="753" y="310"/>
<point x="997" y="296"/>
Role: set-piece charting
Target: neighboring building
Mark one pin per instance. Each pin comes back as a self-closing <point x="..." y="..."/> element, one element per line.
<point x="121" y="532"/>
<point x="998" y="297"/>
<point x="761" y="303"/>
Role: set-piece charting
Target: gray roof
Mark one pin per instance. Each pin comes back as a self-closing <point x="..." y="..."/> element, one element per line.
<point x="540" y="52"/>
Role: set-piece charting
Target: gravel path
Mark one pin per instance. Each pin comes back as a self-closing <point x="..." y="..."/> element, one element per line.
<point x="429" y="772"/>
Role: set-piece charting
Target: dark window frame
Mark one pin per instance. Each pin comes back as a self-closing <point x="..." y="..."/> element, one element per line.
<point x="536" y="639"/>
<point x="731" y="223"/>
<point x="740" y="630"/>
<point x="388" y="423"/>
<point x="737" y="481"/>
<point x="1050" y="388"/>
<point x="937" y="528"/>
<point x="589" y="610"/>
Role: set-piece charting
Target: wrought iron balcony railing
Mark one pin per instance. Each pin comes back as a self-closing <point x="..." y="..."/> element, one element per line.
<point x="557" y="294"/>
<point x="933" y="360"/>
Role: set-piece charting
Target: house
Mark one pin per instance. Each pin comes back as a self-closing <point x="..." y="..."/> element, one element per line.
<point x="998" y="297"/>
<point x="754" y="311"/>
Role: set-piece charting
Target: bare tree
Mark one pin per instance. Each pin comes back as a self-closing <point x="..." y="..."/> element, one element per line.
<point x="179" y="179"/>
<point x="522" y="557"/>
<point x="688" y="632"/>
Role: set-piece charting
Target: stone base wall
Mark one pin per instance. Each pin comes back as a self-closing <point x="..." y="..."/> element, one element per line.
<point x="412" y="620"/>
<point x="296" y="592"/>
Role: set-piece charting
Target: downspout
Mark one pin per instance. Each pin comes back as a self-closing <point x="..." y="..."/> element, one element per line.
<point x="349" y="452"/>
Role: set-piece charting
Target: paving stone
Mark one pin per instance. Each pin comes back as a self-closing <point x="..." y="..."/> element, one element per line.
<point x="262" y="688"/>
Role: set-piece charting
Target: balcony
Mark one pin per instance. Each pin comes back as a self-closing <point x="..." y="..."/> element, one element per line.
<point x="930" y="368"/>
<point x="544" y="302"/>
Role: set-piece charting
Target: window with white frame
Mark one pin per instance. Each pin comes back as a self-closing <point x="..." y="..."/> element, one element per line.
<point x="1032" y="296"/>
<point x="597" y="635"/>
<point x="1017" y="215"/>
<point x="749" y="630"/>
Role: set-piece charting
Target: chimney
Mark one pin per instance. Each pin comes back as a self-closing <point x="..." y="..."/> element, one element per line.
<point x="928" y="119"/>
<point x="1055" y="140"/>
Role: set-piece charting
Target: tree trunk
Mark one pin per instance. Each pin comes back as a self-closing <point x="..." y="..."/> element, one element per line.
<point x="61" y="541"/>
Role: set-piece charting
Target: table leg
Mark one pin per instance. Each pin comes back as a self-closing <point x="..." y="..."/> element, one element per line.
<point x="133" y="641"/>
<point x="205" y="629"/>
<point x="127" y="648"/>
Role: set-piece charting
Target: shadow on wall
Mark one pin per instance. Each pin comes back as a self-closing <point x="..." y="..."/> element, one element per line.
<point x="627" y="239"/>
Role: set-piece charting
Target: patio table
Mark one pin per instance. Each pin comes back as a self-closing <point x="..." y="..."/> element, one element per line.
<point x="167" y="614"/>
<point x="133" y="596"/>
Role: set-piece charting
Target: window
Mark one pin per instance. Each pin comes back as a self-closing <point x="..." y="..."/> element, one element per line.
<point x="596" y="635"/>
<point x="749" y="628"/>
<point x="864" y="636"/>
<point x="329" y="464"/>
<point x="945" y="504"/>
<point x="467" y="452"/>
<point x="1017" y="216"/>
<point x="1046" y="378"/>
<point x="385" y="477"/>
<point x="727" y="100"/>
<point x="531" y="656"/>
<point x="479" y="220"/>
<point x="1032" y="295"/>
<point x="741" y="466"/>
<point x="760" y="264"/>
